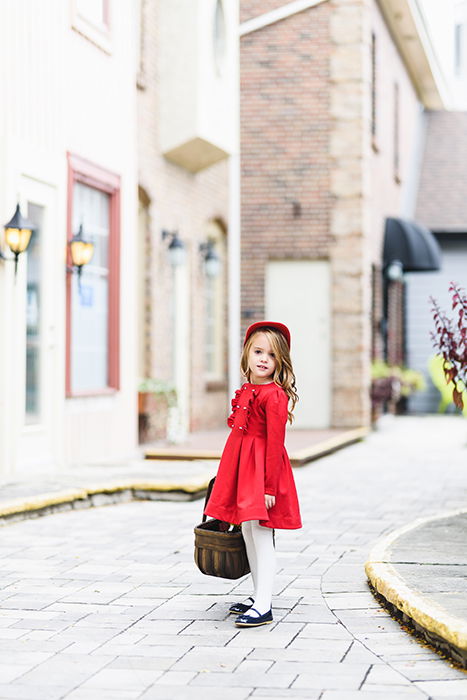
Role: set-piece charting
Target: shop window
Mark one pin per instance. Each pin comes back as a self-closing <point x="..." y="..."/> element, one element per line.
<point x="92" y="299"/>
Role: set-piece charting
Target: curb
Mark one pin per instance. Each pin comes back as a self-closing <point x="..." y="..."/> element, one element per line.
<point x="443" y="630"/>
<point x="299" y="458"/>
<point x="97" y="495"/>
<point x="124" y="491"/>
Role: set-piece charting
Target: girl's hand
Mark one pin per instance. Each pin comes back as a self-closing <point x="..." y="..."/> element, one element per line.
<point x="269" y="501"/>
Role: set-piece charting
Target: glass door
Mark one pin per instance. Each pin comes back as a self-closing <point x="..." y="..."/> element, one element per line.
<point x="34" y="313"/>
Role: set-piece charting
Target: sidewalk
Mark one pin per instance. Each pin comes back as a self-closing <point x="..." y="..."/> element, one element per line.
<point x="302" y="445"/>
<point x="420" y="571"/>
<point x="169" y="472"/>
<point x="107" y="604"/>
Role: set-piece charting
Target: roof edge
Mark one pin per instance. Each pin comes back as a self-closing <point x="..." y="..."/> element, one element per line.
<point x="407" y="26"/>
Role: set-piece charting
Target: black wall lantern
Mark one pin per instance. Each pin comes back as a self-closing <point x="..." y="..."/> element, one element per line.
<point x="17" y="236"/>
<point x="81" y="252"/>
<point x="210" y="257"/>
<point x="176" y="248"/>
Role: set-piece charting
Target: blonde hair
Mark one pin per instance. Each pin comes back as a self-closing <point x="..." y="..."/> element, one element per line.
<point x="283" y="374"/>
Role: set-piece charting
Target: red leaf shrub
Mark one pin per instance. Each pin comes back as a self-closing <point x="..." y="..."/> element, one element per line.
<point x="450" y="341"/>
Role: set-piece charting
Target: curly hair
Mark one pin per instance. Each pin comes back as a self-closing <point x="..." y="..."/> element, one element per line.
<point x="283" y="374"/>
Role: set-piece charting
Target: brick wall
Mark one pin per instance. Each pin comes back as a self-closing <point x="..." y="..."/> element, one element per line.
<point x="254" y="8"/>
<point x="284" y="144"/>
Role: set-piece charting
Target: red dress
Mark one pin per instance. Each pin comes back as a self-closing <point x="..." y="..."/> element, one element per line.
<point x="255" y="462"/>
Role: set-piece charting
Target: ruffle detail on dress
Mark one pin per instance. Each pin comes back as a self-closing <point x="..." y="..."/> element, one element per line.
<point x="241" y="408"/>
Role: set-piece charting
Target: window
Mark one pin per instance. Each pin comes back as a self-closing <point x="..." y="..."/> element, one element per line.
<point x="92" y="300"/>
<point x="215" y="307"/>
<point x="458" y="53"/>
<point x="95" y="12"/>
<point x="142" y="28"/>
<point x="219" y="43"/>
<point x="91" y="19"/>
<point x="34" y="324"/>
<point x="373" y="91"/>
<point x="396" y="135"/>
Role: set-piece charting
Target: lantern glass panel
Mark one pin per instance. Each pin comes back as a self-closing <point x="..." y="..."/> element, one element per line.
<point x="17" y="239"/>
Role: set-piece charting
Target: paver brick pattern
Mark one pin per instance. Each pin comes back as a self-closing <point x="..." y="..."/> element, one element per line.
<point x="107" y="603"/>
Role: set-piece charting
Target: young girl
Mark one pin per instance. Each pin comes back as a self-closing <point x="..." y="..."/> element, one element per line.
<point x="254" y="484"/>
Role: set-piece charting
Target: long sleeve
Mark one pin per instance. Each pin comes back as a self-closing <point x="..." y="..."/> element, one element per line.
<point x="276" y="418"/>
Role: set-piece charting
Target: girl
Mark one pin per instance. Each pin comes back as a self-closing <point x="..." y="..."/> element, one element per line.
<point x="254" y="484"/>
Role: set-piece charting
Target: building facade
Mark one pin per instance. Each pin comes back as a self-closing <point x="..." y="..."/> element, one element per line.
<point x="332" y="100"/>
<point x="187" y="121"/>
<point x="67" y="145"/>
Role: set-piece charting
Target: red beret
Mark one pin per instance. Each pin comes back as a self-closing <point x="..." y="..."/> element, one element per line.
<point x="268" y="324"/>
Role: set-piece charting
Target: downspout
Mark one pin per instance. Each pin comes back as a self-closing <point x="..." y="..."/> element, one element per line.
<point x="233" y="237"/>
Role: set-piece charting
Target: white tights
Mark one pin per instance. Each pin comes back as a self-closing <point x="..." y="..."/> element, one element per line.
<point x="262" y="559"/>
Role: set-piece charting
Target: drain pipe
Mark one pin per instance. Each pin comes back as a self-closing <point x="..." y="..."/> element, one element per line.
<point x="234" y="226"/>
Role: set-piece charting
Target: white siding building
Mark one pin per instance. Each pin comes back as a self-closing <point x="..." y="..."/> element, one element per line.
<point x="67" y="154"/>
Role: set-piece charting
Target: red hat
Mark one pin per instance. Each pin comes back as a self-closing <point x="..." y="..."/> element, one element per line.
<point x="268" y="324"/>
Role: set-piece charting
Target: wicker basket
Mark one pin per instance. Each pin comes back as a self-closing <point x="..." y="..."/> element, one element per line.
<point x="218" y="552"/>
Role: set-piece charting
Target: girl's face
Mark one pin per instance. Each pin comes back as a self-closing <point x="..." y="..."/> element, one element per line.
<point x="261" y="360"/>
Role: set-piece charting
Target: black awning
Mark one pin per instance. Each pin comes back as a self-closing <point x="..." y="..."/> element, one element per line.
<point x="412" y="244"/>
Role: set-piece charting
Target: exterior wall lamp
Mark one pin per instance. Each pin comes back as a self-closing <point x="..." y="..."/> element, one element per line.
<point x="17" y="236"/>
<point x="211" y="260"/>
<point x="394" y="272"/>
<point x="81" y="252"/>
<point x="176" y="248"/>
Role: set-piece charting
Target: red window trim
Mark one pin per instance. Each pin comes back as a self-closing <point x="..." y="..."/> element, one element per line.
<point x="82" y="170"/>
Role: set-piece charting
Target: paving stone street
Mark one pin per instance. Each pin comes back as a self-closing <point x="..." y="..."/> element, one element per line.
<point x="106" y="603"/>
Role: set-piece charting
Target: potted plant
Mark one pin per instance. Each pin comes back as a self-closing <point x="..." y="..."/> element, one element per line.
<point x="450" y="341"/>
<point x="155" y="400"/>
<point x="390" y="385"/>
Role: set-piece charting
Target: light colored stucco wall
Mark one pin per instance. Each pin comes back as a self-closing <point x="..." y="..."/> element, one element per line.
<point x="64" y="93"/>
<point x="180" y="200"/>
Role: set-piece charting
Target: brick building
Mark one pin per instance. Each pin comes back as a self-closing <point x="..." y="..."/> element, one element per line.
<point x="332" y="101"/>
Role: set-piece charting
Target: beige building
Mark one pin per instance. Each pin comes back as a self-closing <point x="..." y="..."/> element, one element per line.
<point x="187" y="136"/>
<point x="67" y="145"/>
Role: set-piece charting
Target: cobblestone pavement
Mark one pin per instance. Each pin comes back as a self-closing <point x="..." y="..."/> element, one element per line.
<point x="106" y="603"/>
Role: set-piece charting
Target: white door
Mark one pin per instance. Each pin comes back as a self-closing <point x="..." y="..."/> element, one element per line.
<point x="298" y="294"/>
<point x="39" y="394"/>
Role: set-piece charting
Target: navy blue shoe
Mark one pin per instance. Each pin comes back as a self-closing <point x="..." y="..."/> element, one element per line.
<point x="254" y="620"/>
<point x="239" y="608"/>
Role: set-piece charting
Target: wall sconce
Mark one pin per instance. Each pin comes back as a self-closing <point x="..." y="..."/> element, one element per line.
<point x="81" y="252"/>
<point x="211" y="260"/>
<point x="176" y="248"/>
<point x="394" y="272"/>
<point x="17" y="236"/>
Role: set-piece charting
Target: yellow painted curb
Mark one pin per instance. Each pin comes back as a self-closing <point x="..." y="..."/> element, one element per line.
<point x="424" y="611"/>
<point x="184" y="454"/>
<point x="324" y="447"/>
<point x="35" y="503"/>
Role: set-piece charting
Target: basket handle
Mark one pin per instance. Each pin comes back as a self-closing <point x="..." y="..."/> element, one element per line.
<point x="208" y="494"/>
